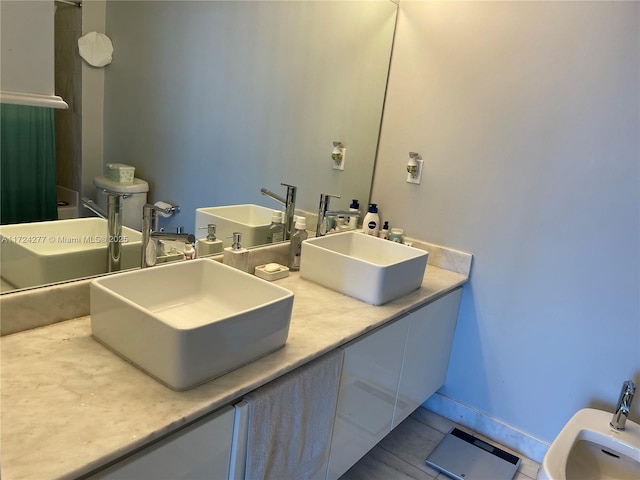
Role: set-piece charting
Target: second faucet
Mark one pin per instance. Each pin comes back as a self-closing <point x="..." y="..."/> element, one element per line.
<point x="289" y="206"/>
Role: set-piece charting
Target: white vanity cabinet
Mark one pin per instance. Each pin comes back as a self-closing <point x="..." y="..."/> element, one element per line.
<point x="366" y="399"/>
<point x="387" y="374"/>
<point x="426" y="353"/>
<point x="200" y="451"/>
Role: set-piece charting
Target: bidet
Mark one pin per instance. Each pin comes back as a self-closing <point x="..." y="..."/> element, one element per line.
<point x="588" y="448"/>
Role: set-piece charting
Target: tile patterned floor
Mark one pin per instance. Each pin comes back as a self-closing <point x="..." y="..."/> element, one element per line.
<point x="400" y="455"/>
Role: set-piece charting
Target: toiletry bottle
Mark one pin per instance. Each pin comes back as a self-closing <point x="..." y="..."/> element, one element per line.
<point x="354" y="208"/>
<point x="371" y="222"/>
<point x="295" y="248"/>
<point x="384" y="232"/>
<point x="236" y="256"/>
<point x="276" y="229"/>
<point x="189" y="252"/>
<point x="396" y="235"/>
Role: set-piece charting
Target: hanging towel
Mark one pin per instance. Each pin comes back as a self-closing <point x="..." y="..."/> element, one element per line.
<point x="291" y="420"/>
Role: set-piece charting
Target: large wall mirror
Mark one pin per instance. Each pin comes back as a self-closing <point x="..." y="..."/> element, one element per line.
<point x="211" y="101"/>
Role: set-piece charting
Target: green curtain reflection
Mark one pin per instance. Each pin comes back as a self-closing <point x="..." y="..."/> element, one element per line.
<point x="27" y="164"/>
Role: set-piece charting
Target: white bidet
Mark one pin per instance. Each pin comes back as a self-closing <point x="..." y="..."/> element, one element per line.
<point x="588" y="448"/>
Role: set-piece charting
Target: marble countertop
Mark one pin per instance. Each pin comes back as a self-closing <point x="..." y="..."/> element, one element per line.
<point x="69" y="405"/>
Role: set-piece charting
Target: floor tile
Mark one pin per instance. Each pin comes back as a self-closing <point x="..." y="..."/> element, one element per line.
<point x="380" y="464"/>
<point x="412" y="441"/>
<point x="433" y="420"/>
<point x="401" y="454"/>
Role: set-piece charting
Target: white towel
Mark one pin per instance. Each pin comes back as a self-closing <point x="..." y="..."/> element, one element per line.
<point x="291" y="420"/>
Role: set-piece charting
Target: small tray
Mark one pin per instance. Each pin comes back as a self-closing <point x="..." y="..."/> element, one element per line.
<point x="261" y="272"/>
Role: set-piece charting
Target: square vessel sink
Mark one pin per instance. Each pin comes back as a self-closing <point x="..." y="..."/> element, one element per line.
<point x="368" y="268"/>
<point x="189" y="322"/>
<point x="39" y="253"/>
<point x="252" y="221"/>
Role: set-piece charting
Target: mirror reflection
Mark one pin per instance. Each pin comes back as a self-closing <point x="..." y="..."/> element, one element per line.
<point x="211" y="102"/>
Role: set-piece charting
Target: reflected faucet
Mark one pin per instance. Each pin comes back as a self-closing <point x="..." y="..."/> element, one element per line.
<point x="113" y="215"/>
<point x="624" y="405"/>
<point x="289" y="206"/>
<point x="324" y="212"/>
<point x="151" y="233"/>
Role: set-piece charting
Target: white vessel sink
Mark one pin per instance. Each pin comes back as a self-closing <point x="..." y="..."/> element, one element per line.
<point x="587" y="448"/>
<point x="39" y="253"/>
<point x="252" y="221"/>
<point x="368" y="268"/>
<point x="189" y="322"/>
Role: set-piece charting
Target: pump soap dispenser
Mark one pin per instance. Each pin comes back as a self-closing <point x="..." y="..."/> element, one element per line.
<point x="210" y="245"/>
<point x="236" y="256"/>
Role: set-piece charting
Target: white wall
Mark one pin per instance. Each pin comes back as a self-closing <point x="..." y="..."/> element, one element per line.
<point x="527" y="117"/>
<point x="26" y="43"/>
<point x="93" y="20"/>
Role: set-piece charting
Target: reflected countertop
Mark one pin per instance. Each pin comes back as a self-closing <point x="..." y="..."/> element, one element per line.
<point x="69" y="405"/>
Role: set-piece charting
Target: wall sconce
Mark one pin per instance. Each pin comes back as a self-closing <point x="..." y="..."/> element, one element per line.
<point x="338" y="155"/>
<point x="414" y="168"/>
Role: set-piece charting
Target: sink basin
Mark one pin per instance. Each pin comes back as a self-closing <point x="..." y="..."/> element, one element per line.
<point x="368" y="268"/>
<point x="252" y="221"/>
<point x="39" y="253"/>
<point x="587" y="448"/>
<point x="189" y="322"/>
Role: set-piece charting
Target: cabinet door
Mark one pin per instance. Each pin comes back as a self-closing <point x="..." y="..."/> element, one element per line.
<point x="367" y="395"/>
<point x="427" y="353"/>
<point x="200" y="451"/>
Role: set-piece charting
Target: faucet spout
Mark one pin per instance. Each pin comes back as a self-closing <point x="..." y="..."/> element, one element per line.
<point x="275" y="196"/>
<point x="289" y="203"/>
<point x="623" y="407"/>
<point x="93" y="206"/>
<point x="173" y="237"/>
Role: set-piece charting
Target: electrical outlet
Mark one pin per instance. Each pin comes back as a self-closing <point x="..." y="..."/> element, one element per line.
<point x="418" y="176"/>
<point x="340" y="165"/>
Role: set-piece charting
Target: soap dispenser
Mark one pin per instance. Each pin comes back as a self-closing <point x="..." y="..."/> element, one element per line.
<point x="236" y="256"/>
<point x="210" y="245"/>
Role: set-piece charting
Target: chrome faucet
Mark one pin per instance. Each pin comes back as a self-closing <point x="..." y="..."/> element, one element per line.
<point x="624" y="405"/>
<point x="151" y="233"/>
<point x="113" y="215"/>
<point x="324" y="212"/>
<point x="289" y="206"/>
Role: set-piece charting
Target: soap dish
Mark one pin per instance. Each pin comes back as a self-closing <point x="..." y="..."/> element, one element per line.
<point x="272" y="271"/>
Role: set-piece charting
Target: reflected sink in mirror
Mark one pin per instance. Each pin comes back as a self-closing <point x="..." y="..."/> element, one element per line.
<point x="368" y="268"/>
<point x="251" y="220"/>
<point x="189" y="322"/>
<point x="46" y="252"/>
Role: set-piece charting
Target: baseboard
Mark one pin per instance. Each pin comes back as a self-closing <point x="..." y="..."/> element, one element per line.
<point x="492" y="428"/>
